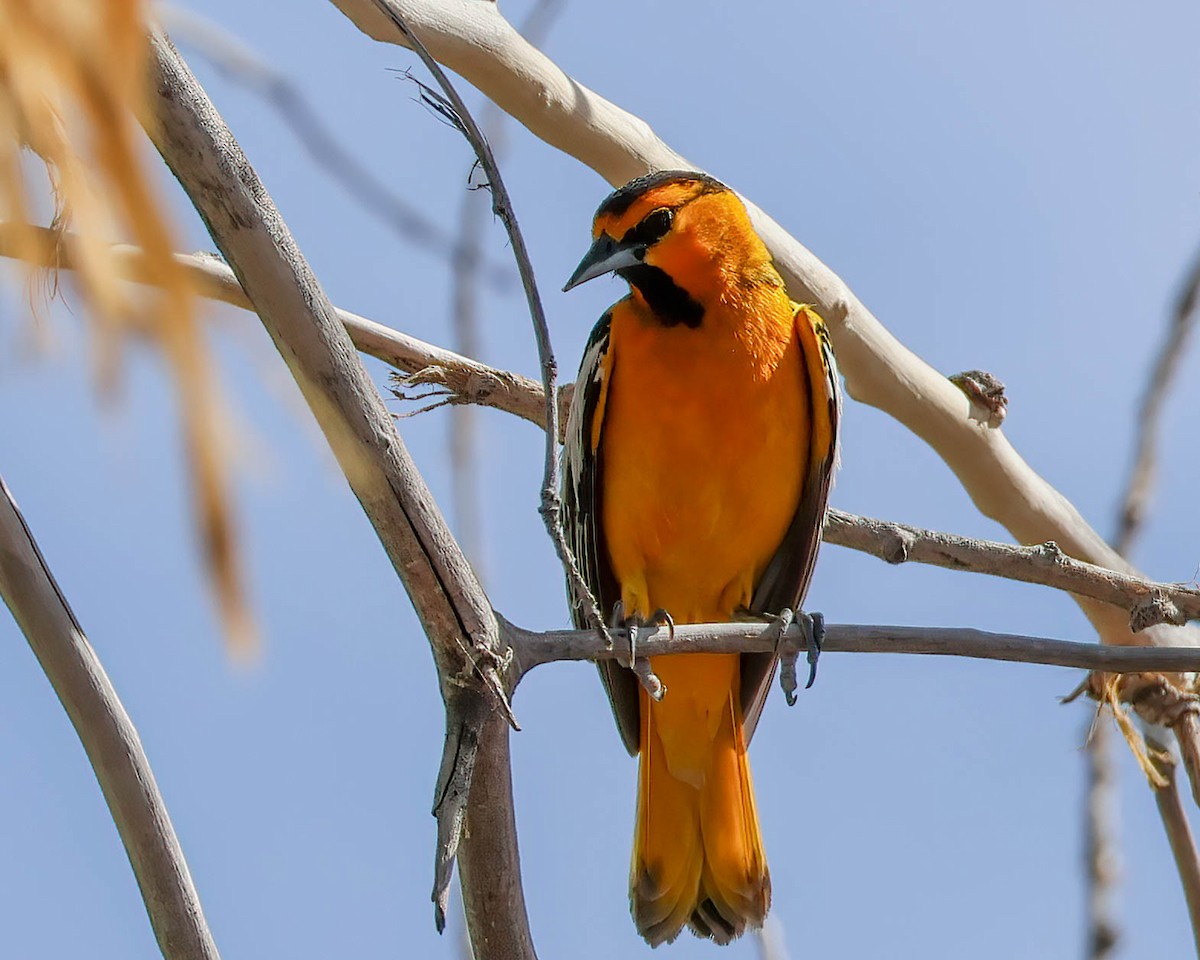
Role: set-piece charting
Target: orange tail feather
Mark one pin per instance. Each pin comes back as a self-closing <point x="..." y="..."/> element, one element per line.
<point x="697" y="856"/>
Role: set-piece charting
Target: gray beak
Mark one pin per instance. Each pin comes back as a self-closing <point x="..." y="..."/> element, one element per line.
<point x="605" y="256"/>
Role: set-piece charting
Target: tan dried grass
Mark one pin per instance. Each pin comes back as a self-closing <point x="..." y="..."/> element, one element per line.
<point x="72" y="87"/>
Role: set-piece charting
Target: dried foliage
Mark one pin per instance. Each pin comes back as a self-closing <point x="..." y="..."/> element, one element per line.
<point x="72" y="87"/>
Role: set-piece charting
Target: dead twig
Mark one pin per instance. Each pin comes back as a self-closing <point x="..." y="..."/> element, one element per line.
<point x="465" y="314"/>
<point x="451" y="107"/>
<point x="1179" y="831"/>
<point x="1158" y="386"/>
<point x="1148" y="602"/>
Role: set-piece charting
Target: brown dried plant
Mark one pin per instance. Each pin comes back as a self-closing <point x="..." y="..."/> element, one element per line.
<point x="72" y="88"/>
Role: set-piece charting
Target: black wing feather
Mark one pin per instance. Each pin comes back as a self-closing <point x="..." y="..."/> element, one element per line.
<point x="582" y="513"/>
<point x="785" y="581"/>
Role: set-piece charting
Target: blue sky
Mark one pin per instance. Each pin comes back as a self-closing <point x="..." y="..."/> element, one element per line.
<point x="1014" y="189"/>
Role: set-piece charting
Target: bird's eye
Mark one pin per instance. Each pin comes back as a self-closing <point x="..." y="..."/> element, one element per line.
<point x="654" y="227"/>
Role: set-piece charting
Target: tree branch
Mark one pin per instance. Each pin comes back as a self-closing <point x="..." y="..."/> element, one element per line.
<point x="108" y="736"/>
<point x="1148" y="602"/>
<point x="1158" y="385"/>
<point x="449" y="601"/>
<point x="1179" y="831"/>
<point x="533" y="648"/>
<point x="463" y="379"/>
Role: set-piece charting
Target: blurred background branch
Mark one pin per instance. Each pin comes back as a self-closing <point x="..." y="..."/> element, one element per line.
<point x="109" y="738"/>
<point x="237" y="62"/>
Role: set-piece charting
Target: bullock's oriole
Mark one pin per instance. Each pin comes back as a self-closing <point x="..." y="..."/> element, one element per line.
<point x="701" y="444"/>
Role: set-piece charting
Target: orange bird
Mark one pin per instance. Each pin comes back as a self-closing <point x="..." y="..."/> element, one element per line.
<point x="700" y="447"/>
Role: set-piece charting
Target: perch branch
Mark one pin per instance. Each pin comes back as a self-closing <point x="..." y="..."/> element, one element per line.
<point x="452" y="607"/>
<point x="109" y="738"/>
<point x="532" y="648"/>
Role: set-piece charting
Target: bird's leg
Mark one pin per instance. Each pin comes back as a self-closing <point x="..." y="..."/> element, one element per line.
<point x="813" y="628"/>
<point x="641" y="665"/>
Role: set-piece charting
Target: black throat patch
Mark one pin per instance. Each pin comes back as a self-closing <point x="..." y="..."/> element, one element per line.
<point x="670" y="302"/>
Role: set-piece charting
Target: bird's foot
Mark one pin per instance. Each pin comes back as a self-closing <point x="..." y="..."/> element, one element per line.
<point x="641" y="665"/>
<point x="812" y="625"/>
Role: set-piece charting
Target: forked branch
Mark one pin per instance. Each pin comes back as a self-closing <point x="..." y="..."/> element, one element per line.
<point x="449" y="601"/>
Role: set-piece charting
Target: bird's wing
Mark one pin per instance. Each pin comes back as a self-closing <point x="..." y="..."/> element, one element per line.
<point x="785" y="581"/>
<point x="582" y="517"/>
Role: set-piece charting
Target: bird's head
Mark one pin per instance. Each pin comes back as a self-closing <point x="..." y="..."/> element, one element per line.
<point x="681" y="239"/>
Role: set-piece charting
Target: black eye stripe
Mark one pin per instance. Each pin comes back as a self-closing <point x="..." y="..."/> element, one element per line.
<point x="654" y="227"/>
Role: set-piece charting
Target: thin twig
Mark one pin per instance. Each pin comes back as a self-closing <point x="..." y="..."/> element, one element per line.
<point x="533" y="648"/>
<point x="240" y="64"/>
<point x="465" y="314"/>
<point x="1179" y="831"/>
<point x="1158" y="385"/>
<point x="1148" y="602"/>
<point x="455" y="111"/>
<point x="109" y="738"/>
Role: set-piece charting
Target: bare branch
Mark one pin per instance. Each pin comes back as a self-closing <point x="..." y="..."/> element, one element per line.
<point x="465" y="313"/>
<point x="1147" y="602"/>
<point x="463" y="379"/>
<point x="109" y="738"/>
<point x="1179" y="832"/>
<point x="475" y="41"/>
<point x="455" y="111"/>
<point x="449" y="601"/>
<point x="534" y="648"/>
<point x="1162" y="376"/>
<point x="243" y="66"/>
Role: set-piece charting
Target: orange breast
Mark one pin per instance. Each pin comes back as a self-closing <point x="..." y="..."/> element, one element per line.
<point x="703" y="454"/>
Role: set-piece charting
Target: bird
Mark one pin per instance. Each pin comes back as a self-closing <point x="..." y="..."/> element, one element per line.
<point x="700" y="447"/>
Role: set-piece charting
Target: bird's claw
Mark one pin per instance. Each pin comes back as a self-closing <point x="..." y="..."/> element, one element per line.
<point x="641" y="665"/>
<point x="814" y="639"/>
<point x="813" y="628"/>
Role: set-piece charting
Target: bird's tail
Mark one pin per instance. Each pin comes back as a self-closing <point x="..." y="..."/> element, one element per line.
<point x="697" y="852"/>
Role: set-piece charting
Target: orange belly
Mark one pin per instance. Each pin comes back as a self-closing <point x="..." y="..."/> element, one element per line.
<point x="702" y="463"/>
